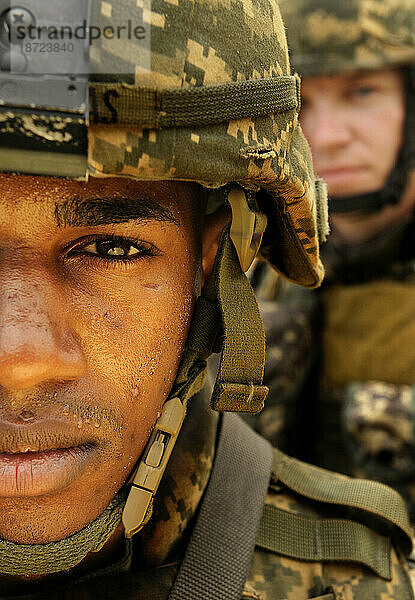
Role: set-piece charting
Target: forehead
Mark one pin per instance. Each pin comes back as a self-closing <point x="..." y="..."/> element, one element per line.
<point x="388" y="77"/>
<point x="72" y="203"/>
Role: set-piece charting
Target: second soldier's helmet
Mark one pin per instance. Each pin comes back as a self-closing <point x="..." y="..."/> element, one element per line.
<point x="332" y="36"/>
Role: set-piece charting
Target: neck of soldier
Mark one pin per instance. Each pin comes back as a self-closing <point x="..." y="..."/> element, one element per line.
<point x="165" y="537"/>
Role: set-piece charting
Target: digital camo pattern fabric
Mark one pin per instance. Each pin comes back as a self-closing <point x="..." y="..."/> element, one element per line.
<point x="331" y="36"/>
<point x="275" y="577"/>
<point x="289" y="351"/>
<point x="281" y="576"/>
<point x="202" y="45"/>
<point x="379" y="423"/>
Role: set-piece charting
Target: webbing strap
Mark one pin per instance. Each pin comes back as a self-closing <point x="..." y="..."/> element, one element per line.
<point x="369" y="496"/>
<point x="220" y="550"/>
<point x="132" y="106"/>
<point x="238" y="385"/>
<point x="322" y="207"/>
<point x="205" y="327"/>
<point x="320" y="540"/>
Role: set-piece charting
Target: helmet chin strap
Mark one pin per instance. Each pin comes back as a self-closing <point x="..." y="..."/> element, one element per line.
<point x="53" y="557"/>
<point x="374" y="201"/>
<point x="238" y="387"/>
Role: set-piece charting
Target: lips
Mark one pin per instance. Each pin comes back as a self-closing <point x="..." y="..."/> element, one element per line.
<point x="41" y="458"/>
<point x="337" y="172"/>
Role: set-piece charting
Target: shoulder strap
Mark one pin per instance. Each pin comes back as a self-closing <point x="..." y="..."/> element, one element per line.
<point x="219" y="553"/>
<point x="322" y="540"/>
<point x="370" y="497"/>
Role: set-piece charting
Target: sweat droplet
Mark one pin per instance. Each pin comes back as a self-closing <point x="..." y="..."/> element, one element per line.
<point x="66" y="410"/>
<point x="97" y="424"/>
<point x="80" y="423"/>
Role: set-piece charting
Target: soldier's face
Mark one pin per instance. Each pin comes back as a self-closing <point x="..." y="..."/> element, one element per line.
<point x="354" y="124"/>
<point x="98" y="282"/>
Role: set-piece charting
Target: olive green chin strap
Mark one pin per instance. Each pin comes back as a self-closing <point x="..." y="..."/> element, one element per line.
<point x="238" y="386"/>
<point x="54" y="557"/>
<point x="218" y="319"/>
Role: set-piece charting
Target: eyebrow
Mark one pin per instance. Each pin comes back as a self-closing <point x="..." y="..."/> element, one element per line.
<point x="79" y="212"/>
<point x="360" y="75"/>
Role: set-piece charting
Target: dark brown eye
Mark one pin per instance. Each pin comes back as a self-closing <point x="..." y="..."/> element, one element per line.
<point x="112" y="248"/>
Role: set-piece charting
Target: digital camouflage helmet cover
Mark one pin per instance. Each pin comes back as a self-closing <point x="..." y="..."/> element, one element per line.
<point x="331" y="36"/>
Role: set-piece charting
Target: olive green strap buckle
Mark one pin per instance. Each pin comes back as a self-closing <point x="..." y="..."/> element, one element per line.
<point x="154" y="460"/>
<point x="247" y="227"/>
<point x="152" y="466"/>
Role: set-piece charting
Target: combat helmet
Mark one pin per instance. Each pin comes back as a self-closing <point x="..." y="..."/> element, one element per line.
<point x="327" y="37"/>
<point x="210" y="100"/>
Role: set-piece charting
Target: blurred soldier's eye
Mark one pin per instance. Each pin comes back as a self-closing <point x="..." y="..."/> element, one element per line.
<point x="362" y="91"/>
<point x="113" y="248"/>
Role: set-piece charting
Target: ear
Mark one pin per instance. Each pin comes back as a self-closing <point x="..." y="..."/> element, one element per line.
<point x="213" y="227"/>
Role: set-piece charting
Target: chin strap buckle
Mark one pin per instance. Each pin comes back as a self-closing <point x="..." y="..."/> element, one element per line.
<point x="247" y="227"/>
<point x="152" y="466"/>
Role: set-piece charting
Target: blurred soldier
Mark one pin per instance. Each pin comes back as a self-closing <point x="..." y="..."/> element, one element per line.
<point x="356" y="60"/>
<point x="115" y="290"/>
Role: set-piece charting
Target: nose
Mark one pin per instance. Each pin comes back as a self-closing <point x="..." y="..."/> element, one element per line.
<point x="326" y="127"/>
<point x="36" y="343"/>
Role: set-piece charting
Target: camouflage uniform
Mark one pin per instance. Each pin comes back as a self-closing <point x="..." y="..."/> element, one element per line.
<point x="359" y="369"/>
<point x="204" y="113"/>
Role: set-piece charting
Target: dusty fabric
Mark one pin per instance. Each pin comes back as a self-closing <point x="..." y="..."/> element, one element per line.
<point x="369" y="333"/>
